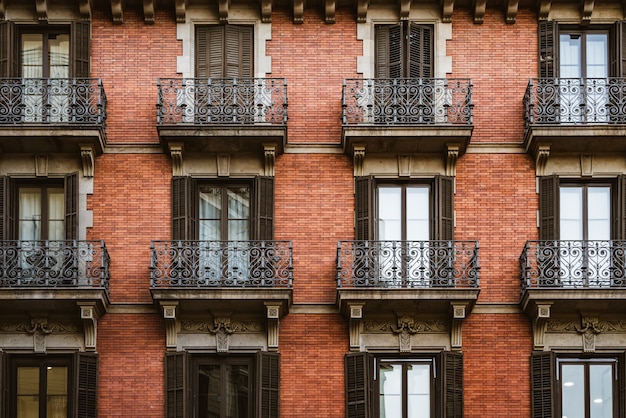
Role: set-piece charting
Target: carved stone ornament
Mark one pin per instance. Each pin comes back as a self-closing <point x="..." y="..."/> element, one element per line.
<point x="589" y="327"/>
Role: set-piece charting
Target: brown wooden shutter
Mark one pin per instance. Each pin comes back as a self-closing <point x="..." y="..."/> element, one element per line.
<point x="80" y="38"/>
<point x="617" y="50"/>
<point x="548" y="208"/>
<point x="420" y="51"/>
<point x="268" y="365"/>
<point x="389" y="58"/>
<point x="224" y="51"/>
<point x="4" y="389"/>
<point x="71" y="206"/>
<point x="621" y="377"/>
<point x="452" y="384"/>
<point x="542" y="373"/>
<point x="363" y="202"/>
<point x="176" y="383"/>
<point x="7" y="214"/>
<point x="443" y="208"/>
<point x="359" y="369"/>
<point x="8" y="50"/>
<point x="202" y="50"/>
<point x="86" y="384"/>
<point x="548" y="49"/>
<point x="238" y="47"/>
<point x="263" y="222"/>
<point x="184" y="208"/>
<point x="619" y="209"/>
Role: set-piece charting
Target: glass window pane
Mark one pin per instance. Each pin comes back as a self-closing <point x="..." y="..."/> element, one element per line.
<point x="32" y="55"/>
<point x="210" y="203"/>
<point x="29" y="213"/>
<point x="417" y="214"/>
<point x="57" y="392"/>
<point x="56" y="214"/>
<point x="59" y="56"/>
<point x="237" y="388"/>
<point x="209" y="384"/>
<point x="573" y="390"/>
<point x="238" y="203"/>
<point x="390" y="377"/>
<point x="570" y="56"/>
<point x="597" y="55"/>
<point x="238" y="230"/>
<point x="599" y="213"/>
<point x="27" y="392"/>
<point x="571" y="213"/>
<point x="389" y="213"/>
<point x="418" y="380"/>
<point x="601" y="390"/>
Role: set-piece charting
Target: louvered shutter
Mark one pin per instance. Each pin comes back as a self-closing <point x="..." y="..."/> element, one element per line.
<point x="359" y="369"/>
<point x="238" y="47"/>
<point x="264" y="214"/>
<point x="621" y="377"/>
<point x="202" y="50"/>
<point x="8" y="50"/>
<point x="420" y="51"/>
<point x="86" y="384"/>
<point x="268" y="365"/>
<point x="176" y="385"/>
<point x="542" y="372"/>
<point x="363" y="201"/>
<point x="224" y="51"/>
<point x="184" y="208"/>
<point x="548" y="49"/>
<point x="617" y="51"/>
<point x="548" y="208"/>
<point x="452" y="384"/>
<point x="80" y="38"/>
<point x="5" y="191"/>
<point x="443" y="208"/>
<point x="389" y="59"/>
<point x="4" y="396"/>
<point x="71" y="206"/>
<point x="619" y="220"/>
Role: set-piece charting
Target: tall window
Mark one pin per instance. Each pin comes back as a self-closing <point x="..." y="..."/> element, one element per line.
<point x="404" y="50"/>
<point x="404" y="212"/>
<point x="224" y="212"/>
<point x="41" y="212"/>
<point x="45" y="53"/>
<point x="585" y="212"/>
<point x="42" y="390"/>
<point x="405" y="388"/>
<point x="224" y="51"/>
<point x="583" y="54"/>
<point x="224" y="387"/>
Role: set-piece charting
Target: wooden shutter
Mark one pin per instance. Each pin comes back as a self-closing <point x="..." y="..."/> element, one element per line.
<point x="389" y="59"/>
<point x="359" y="369"/>
<point x="184" y="208"/>
<point x="617" y="50"/>
<point x="6" y="213"/>
<point x="176" y="385"/>
<point x="443" y="208"/>
<point x="548" y="49"/>
<point x="452" y="384"/>
<point x="548" y="208"/>
<point x="71" y="206"/>
<point x="224" y="51"/>
<point x="542" y="373"/>
<point x="86" y="384"/>
<point x="264" y="208"/>
<point x="80" y="37"/>
<point x="621" y="377"/>
<point x="8" y="50"/>
<point x="363" y="201"/>
<point x="268" y="365"/>
<point x="238" y="47"/>
<point x="619" y="209"/>
<point x="4" y="396"/>
<point x="420" y="51"/>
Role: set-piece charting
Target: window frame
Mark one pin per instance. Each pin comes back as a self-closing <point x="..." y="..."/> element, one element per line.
<point x="44" y="187"/>
<point x="224" y="217"/>
<point x="409" y="55"/>
<point x="46" y="31"/>
<point x="232" y="54"/>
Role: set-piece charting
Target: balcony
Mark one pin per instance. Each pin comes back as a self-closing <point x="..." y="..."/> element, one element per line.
<point x="573" y="276"/>
<point x="53" y="276"/>
<point x="416" y="115"/>
<point x="52" y="115"/>
<point x="234" y="275"/>
<point x="575" y="115"/>
<point x="222" y="115"/>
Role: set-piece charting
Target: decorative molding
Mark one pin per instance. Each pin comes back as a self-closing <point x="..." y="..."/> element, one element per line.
<point x="540" y="324"/>
<point x="456" y="331"/>
<point x="207" y="326"/>
<point x="148" y="11"/>
<point x="89" y="314"/>
<point x="329" y="11"/>
<point x="117" y="11"/>
<point x="87" y="156"/>
<point x="384" y="327"/>
<point x="406" y="326"/>
<point x="356" y="324"/>
<point x="273" y="315"/>
<point x="223" y="6"/>
<point x="405" y="9"/>
<point x="84" y="7"/>
<point x="512" y="6"/>
<point x="447" y="7"/>
<point x="223" y="165"/>
<point x="567" y="325"/>
<point x="543" y="7"/>
<point x="39" y="329"/>
<point x="587" y="10"/>
<point x="181" y="11"/>
<point x="23" y="327"/>
<point x="269" y="154"/>
<point x="171" y="325"/>
<point x="586" y="165"/>
<point x="541" y="159"/>
<point x="298" y="11"/>
<point x="41" y="165"/>
<point x="361" y="10"/>
<point x="176" y="152"/>
<point x="404" y="165"/>
<point x="452" y="156"/>
<point x="266" y="11"/>
<point x="479" y="11"/>
<point x="41" y="8"/>
<point x="358" y="151"/>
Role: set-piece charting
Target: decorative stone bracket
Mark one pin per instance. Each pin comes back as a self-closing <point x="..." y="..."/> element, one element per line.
<point x="87" y="155"/>
<point x="404" y="161"/>
<point x="540" y="324"/>
<point x="171" y="324"/>
<point x="90" y="314"/>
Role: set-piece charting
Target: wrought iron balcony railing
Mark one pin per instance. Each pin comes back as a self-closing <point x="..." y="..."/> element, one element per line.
<point x="573" y="264"/>
<point x="550" y="101"/>
<point x="407" y="101"/>
<point x="64" y="101"/>
<point x="407" y="264"/>
<point x="222" y="101"/>
<point x="198" y="264"/>
<point x="54" y="264"/>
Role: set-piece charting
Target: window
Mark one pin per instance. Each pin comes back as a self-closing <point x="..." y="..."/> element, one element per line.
<point x="577" y="387"/>
<point x="224" y="51"/>
<point x="404" y="387"/>
<point x="404" y="50"/>
<point x="50" y="386"/>
<point x="233" y="386"/>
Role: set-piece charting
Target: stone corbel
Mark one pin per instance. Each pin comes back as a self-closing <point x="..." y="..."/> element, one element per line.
<point x="590" y="327"/>
<point x="406" y="327"/>
<point x="222" y="329"/>
<point x="447" y="6"/>
<point x="540" y="324"/>
<point x="541" y="159"/>
<point x="329" y="11"/>
<point x="543" y="7"/>
<point x="361" y="10"/>
<point x="273" y="316"/>
<point x="223" y="6"/>
<point x="587" y="10"/>
<point x="452" y="156"/>
<point x="84" y="7"/>
<point x="404" y="165"/>
<point x="39" y="329"/>
<point x="298" y="11"/>
<point x="459" y="312"/>
<point x="117" y="11"/>
<point x="176" y="152"/>
<point x="266" y="11"/>
<point x="41" y="165"/>
<point x="269" y="154"/>
<point x="148" y="11"/>
<point x="41" y="7"/>
<point x="223" y="165"/>
<point x="181" y="11"/>
<point x="512" y="7"/>
<point x="171" y="324"/>
<point x="479" y="11"/>
<point x="89" y="314"/>
<point x="405" y="8"/>
<point x="358" y="152"/>
<point x="87" y="156"/>
<point x="356" y="324"/>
